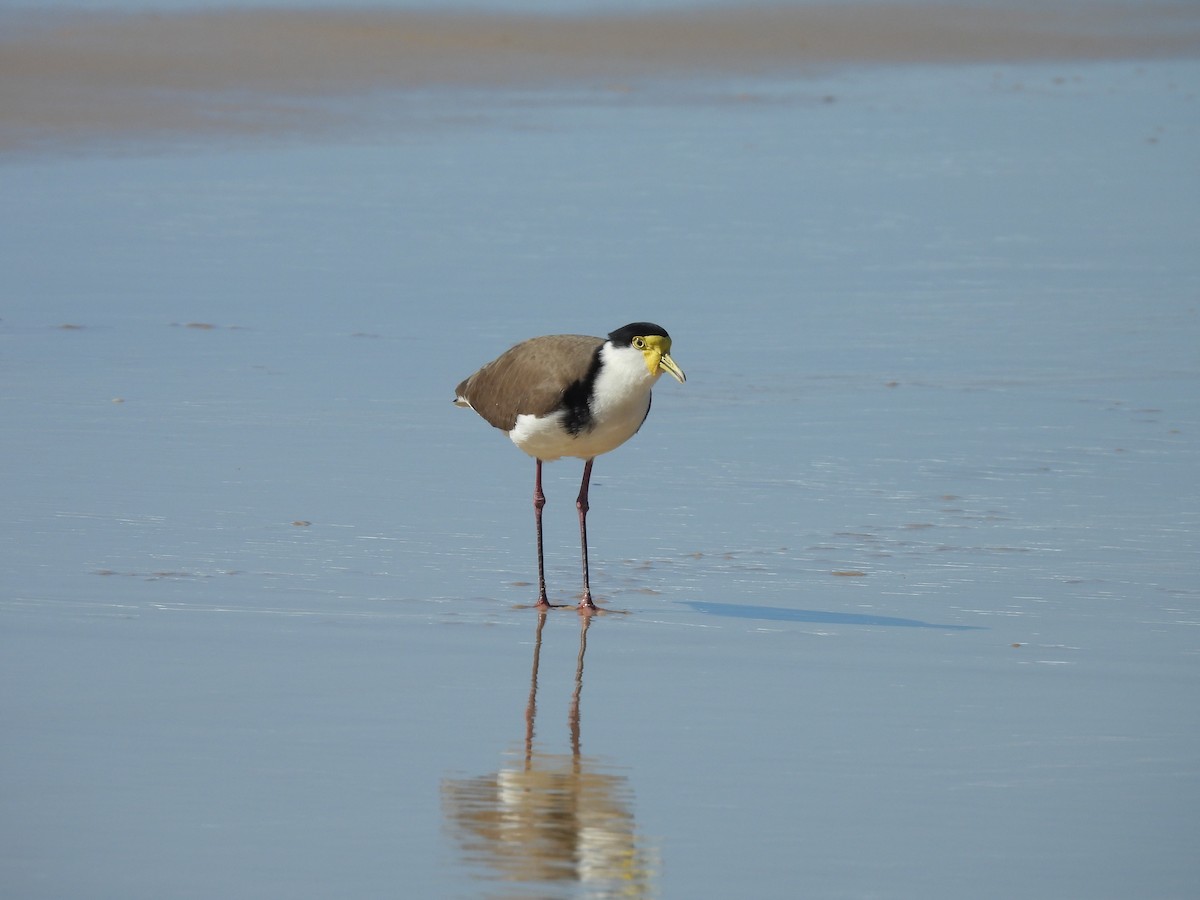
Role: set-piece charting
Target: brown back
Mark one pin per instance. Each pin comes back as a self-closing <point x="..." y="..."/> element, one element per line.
<point x="530" y="378"/>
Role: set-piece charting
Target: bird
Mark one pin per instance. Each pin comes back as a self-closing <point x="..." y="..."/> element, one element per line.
<point x="571" y="395"/>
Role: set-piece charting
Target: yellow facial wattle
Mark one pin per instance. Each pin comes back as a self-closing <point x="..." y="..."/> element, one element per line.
<point x="657" y="350"/>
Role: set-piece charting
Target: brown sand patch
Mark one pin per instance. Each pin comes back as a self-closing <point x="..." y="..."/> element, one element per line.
<point x="81" y="75"/>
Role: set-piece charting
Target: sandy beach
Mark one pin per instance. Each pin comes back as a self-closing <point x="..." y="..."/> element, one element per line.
<point x="900" y="589"/>
<point x="75" y="76"/>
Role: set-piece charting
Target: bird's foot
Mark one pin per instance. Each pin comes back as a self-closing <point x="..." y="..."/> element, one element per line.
<point x="544" y="604"/>
<point x="586" y="606"/>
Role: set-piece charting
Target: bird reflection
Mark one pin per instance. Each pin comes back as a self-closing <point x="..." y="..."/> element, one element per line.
<point x="552" y="818"/>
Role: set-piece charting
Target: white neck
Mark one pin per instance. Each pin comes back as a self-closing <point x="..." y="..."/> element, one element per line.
<point x="623" y="379"/>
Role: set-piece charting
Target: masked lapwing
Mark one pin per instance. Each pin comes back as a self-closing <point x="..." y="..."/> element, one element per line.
<point x="571" y="395"/>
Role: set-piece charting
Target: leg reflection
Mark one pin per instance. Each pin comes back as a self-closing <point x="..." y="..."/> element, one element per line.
<point x="552" y="817"/>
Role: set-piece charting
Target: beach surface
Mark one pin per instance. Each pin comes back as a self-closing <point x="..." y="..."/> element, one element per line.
<point x="74" y="75"/>
<point x="900" y="587"/>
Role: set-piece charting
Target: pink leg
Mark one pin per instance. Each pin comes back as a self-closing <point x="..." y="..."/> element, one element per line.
<point x="539" y="500"/>
<point x="581" y="504"/>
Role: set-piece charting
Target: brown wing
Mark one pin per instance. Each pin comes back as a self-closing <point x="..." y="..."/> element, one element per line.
<point x="530" y="378"/>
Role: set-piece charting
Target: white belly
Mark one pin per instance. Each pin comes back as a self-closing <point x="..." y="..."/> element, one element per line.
<point x="546" y="438"/>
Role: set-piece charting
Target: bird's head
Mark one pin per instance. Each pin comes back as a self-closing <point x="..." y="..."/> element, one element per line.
<point x="654" y="344"/>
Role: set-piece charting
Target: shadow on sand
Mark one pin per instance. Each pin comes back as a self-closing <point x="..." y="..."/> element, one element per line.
<point x="817" y="616"/>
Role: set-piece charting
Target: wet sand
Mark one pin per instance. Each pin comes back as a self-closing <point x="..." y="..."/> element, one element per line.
<point x="907" y="568"/>
<point x="86" y="76"/>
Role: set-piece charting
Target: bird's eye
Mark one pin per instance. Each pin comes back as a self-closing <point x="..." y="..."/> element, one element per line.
<point x="639" y="343"/>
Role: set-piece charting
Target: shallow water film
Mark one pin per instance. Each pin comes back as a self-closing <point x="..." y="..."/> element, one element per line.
<point x="898" y="592"/>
